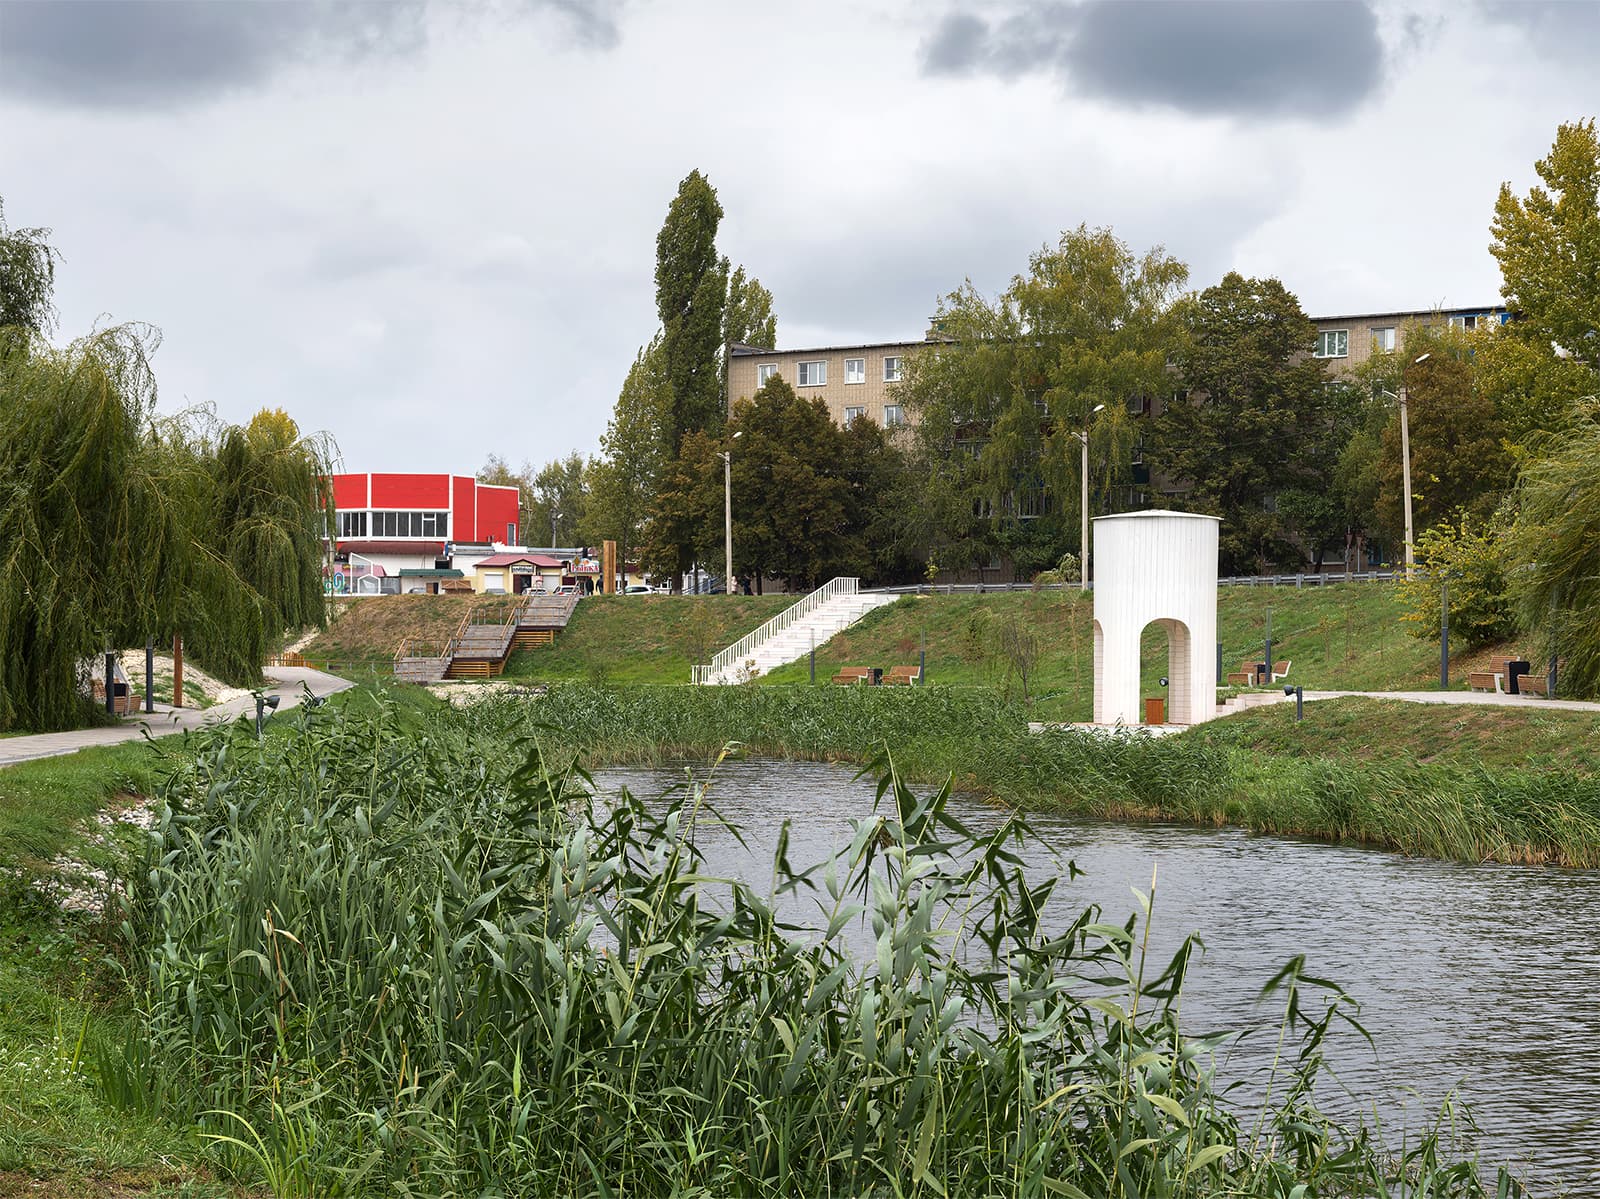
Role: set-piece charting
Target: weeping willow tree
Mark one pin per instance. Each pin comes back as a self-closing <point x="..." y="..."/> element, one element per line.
<point x="1555" y="555"/>
<point x="116" y="526"/>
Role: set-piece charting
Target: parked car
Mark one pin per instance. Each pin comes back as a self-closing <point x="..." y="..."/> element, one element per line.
<point x="638" y="589"/>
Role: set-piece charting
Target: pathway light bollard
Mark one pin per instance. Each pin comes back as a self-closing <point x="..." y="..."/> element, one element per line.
<point x="111" y="683"/>
<point x="1299" y="702"/>
<point x="149" y="675"/>
<point x="263" y="703"/>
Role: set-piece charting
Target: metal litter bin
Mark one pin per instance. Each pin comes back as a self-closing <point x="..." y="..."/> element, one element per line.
<point x="1515" y="670"/>
<point x="877" y="676"/>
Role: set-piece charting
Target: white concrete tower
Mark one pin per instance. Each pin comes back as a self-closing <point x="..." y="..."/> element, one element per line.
<point x="1155" y="568"/>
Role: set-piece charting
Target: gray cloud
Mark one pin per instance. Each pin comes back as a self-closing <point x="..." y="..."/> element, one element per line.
<point x="167" y="53"/>
<point x="1567" y="29"/>
<point x="1229" y="57"/>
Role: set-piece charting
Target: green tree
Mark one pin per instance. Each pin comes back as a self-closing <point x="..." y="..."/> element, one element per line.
<point x="532" y="520"/>
<point x="999" y="403"/>
<point x="691" y="291"/>
<point x="1554" y="555"/>
<point x="1459" y="459"/>
<point x="560" y="495"/>
<point x="117" y="525"/>
<point x="748" y="315"/>
<point x="622" y="481"/>
<point x="1548" y="245"/>
<point x="791" y="502"/>
<point x="27" y="278"/>
<point x="1258" y="436"/>
<point x="1468" y="557"/>
<point x="685" y="521"/>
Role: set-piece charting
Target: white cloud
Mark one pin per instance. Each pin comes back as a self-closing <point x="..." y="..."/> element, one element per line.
<point x="449" y="252"/>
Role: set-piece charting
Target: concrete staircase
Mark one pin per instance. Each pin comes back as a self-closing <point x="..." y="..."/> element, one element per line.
<point x="836" y="605"/>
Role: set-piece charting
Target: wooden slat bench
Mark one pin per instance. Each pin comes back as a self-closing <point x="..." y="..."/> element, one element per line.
<point x="1534" y="684"/>
<point x="902" y="676"/>
<point x="1280" y="670"/>
<point x="1483" y="680"/>
<point x="849" y="675"/>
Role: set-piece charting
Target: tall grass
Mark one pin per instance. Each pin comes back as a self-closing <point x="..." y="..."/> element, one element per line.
<point x="375" y="957"/>
<point x="1456" y="811"/>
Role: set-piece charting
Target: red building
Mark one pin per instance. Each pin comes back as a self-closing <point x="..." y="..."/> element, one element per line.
<point x="405" y="513"/>
<point x="389" y="524"/>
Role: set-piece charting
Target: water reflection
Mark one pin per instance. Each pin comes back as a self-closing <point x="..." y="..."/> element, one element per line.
<point x="1479" y="977"/>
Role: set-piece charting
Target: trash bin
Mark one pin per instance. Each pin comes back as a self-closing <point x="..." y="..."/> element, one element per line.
<point x="1155" y="711"/>
<point x="1514" y="670"/>
<point x="877" y="676"/>
<point x="1263" y="673"/>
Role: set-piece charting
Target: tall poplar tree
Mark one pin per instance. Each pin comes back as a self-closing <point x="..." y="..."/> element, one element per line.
<point x="691" y="290"/>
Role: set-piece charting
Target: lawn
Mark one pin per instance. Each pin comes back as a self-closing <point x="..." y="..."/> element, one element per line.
<point x="1347" y="638"/>
<point x="633" y="639"/>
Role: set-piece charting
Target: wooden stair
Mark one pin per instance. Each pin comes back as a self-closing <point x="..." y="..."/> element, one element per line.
<point x="487" y="636"/>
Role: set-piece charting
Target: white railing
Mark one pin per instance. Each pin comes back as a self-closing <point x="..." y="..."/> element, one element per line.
<point x="741" y="648"/>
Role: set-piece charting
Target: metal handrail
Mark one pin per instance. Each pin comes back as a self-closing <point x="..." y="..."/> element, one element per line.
<point x="832" y="589"/>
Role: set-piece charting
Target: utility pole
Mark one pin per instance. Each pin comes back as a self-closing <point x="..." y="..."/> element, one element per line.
<point x="1083" y="543"/>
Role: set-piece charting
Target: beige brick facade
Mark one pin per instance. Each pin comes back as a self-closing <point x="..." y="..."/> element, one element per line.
<point x="1359" y="337"/>
<point x="855" y="380"/>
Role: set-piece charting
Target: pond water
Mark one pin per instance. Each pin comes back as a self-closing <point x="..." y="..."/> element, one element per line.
<point x="1480" y="978"/>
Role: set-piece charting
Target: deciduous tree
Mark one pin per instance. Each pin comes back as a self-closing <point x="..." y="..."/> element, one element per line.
<point x="1001" y="398"/>
<point x="1260" y="424"/>
<point x="1548" y="245"/>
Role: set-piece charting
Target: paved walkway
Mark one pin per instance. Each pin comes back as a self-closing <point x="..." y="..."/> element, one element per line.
<point x="286" y="682"/>
<point x="1256" y="699"/>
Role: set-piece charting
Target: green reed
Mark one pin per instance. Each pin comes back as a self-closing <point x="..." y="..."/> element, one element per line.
<point x="378" y="954"/>
<point x="1430" y="809"/>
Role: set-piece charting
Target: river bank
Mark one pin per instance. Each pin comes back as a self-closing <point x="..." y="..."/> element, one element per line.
<point x="1438" y="782"/>
<point x="448" y="973"/>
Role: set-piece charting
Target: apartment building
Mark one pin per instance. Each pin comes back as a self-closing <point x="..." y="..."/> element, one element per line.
<point x="1345" y="342"/>
<point x="856" y="382"/>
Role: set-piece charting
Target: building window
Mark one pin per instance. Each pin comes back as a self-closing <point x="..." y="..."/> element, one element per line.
<point x="764" y="372"/>
<point x="352" y="524"/>
<point x="1383" y="339"/>
<point x="1335" y="343"/>
<point x="893" y="416"/>
<point x="853" y="414"/>
<point x="411" y="524"/>
<point x="1464" y="322"/>
<point x="812" y="374"/>
<point x="891" y="370"/>
<point x="855" y="370"/>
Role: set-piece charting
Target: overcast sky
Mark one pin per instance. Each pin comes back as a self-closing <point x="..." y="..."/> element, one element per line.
<point x="429" y="228"/>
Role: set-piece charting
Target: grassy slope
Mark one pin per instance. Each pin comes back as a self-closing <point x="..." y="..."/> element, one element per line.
<point x="1347" y="638"/>
<point x="624" y="638"/>
<point x="645" y="638"/>
<point x="1525" y="740"/>
<point x="369" y="630"/>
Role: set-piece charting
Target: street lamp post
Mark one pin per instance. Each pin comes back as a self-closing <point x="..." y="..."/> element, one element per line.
<point x="727" y="509"/>
<point x="1405" y="465"/>
<point x="1083" y="542"/>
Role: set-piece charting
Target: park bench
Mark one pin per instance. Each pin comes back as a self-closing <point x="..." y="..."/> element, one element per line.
<point x="902" y="676"/>
<point x="123" y="701"/>
<point x="1534" y="684"/>
<point x="1483" y="680"/>
<point x="1280" y="670"/>
<point x="849" y="675"/>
